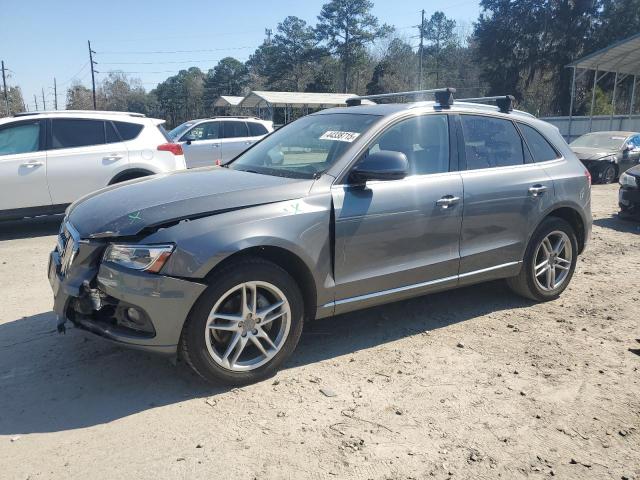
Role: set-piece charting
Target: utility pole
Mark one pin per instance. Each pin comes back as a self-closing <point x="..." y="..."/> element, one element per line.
<point x="55" y="93"/>
<point x="268" y="32"/>
<point x="421" y="50"/>
<point x="35" y="100"/>
<point x="44" y="103"/>
<point x="4" y="87"/>
<point x="93" y="78"/>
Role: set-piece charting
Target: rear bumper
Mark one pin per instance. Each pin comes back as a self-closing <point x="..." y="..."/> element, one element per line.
<point x="97" y="302"/>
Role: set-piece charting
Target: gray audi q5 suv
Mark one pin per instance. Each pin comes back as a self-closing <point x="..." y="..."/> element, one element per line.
<point x="340" y="210"/>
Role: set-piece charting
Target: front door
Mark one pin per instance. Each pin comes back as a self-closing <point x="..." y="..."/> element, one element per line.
<point x="23" y="166"/>
<point x="201" y="145"/>
<point x="82" y="157"/>
<point x="399" y="238"/>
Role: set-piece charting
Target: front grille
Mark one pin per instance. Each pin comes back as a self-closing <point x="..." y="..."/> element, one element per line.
<point x="68" y="243"/>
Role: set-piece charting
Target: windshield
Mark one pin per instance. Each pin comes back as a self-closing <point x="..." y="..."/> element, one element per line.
<point x="606" y="141"/>
<point x="306" y="147"/>
<point x="177" y="132"/>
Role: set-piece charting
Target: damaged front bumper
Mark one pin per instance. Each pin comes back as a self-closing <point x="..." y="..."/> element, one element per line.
<point x="135" y="309"/>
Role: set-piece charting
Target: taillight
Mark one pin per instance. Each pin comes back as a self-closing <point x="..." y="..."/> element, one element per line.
<point x="174" y="148"/>
<point x="588" y="174"/>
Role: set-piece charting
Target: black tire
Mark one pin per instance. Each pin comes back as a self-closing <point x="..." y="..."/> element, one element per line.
<point x="525" y="283"/>
<point x="608" y="174"/>
<point x="193" y="348"/>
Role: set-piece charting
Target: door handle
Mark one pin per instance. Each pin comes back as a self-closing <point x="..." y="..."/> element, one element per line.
<point x="248" y="142"/>
<point x="33" y="164"/>
<point x="447" y="201"/>
<point x="215" y="145"/>
<point x="537" y="190"/>
<point x="112" y="157"/>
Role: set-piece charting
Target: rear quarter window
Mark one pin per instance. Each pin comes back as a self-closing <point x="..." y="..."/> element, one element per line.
<point x="256" y="129"/>
<point x="540" y="148"/>
<point x="127" y="130"/>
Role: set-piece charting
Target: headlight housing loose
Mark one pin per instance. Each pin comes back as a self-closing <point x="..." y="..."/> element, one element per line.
<point x="148" y="258"/>
<point x="627" y="180"/>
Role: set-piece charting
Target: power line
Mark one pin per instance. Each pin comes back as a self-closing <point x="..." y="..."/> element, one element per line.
<point x="163" y="52"/>
<point x="163" y="63"/>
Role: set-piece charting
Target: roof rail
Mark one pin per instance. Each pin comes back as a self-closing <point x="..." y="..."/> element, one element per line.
<point x="504" y="102"/>
<point x="74" y="112"/>
<point x="443" y="96"/>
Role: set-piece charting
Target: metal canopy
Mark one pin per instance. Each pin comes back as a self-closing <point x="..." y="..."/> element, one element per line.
<point x="622" y="57"/>
<point x="227" y="101"/>
<point x="295" y="99"/>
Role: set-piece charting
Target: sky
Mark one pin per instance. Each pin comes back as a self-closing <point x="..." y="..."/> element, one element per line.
<point x="40" y="40"/>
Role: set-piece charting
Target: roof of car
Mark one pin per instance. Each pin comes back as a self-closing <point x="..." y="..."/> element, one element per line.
<point x="385" y="109"/>
<point x="619" y="133"/>
<point x="95" y="114"/>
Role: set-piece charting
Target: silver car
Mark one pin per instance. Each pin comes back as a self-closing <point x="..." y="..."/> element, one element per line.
<point x="341" y="210"/>
<point x="216" y="140"/>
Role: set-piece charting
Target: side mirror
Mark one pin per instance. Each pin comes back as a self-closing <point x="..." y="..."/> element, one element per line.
<point x="381" y="165"/>
<point x="630" y="147"/>
<point x="188" y="139"/>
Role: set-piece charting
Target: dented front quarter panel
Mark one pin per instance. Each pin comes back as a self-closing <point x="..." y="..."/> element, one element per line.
<point x="300" y="226"/>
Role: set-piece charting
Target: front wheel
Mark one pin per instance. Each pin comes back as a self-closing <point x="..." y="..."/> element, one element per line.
<point x="245" y="325"/>
<point x="549" y="261"/>
<point x="608" y="174"/>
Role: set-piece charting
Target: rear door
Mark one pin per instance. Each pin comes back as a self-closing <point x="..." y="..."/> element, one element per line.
<point x="235" y="139"/>
<point x="83" y="156"/>
<point x="505" y="194"/>
<point x="23" y="165"/>
<point x="201" y="145"/>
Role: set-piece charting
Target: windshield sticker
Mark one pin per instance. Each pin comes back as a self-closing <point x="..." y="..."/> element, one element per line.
<point x="339" y="136"/>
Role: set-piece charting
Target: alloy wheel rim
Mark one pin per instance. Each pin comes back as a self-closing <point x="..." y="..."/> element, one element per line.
<point x="553" y="260"/>
<point x="248" y="326"/>
<point x="609" y="175"/>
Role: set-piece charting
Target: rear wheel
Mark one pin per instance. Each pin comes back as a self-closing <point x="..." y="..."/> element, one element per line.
<point x="245" y="325"/>
<point x="549" y="262"/>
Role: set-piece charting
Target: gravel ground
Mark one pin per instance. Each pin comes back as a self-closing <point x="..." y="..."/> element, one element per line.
<point x="474" y="383"/>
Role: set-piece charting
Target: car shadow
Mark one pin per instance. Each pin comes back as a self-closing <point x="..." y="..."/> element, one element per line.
<point x="624" y="225"/>
<point x="30" y="227"/>
<point x="52" y="382"/>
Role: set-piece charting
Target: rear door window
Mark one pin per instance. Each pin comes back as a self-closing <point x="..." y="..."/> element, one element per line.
<point x="127" y="130"/>
<point x="20" y="138"/>
<point x="257" y="129"/>
<point x="540" y="148"/>
<point x="70" y="133"/>
<point x="110" y="133"/>
<point x="234" y="130"/>
<point x="491" y="142"/>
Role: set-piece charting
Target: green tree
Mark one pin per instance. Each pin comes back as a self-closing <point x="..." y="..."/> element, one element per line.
<point x="16" y="102"/>
<point x="441" y="40"/>
<point x="79" y="97"/>
<point x="347" y="27"/>
<point x="396" y="71"/>
<point x="228" y="77"/>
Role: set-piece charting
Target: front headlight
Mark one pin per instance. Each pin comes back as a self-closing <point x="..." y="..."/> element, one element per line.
<point x="148" y="258"/>
<point x="627" y="180"/>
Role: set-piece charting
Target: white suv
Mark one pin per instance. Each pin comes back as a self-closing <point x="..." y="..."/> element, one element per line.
<point x="210" y="141"/>
<point x="50" y="159"/>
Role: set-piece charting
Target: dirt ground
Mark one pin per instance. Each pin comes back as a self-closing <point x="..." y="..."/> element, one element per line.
<point x="475" y="383"/>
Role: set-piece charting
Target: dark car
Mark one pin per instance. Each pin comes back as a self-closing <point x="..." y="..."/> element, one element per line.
<point x="607" y="154"/>
<point x="629" y="196"/>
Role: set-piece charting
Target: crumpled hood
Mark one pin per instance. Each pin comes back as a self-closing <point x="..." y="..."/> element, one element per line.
<point x="128" y="208"/>
<point x="586" y="153"/>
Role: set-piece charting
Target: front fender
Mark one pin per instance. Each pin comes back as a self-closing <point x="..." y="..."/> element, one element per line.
<point x="299" y="226"/>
